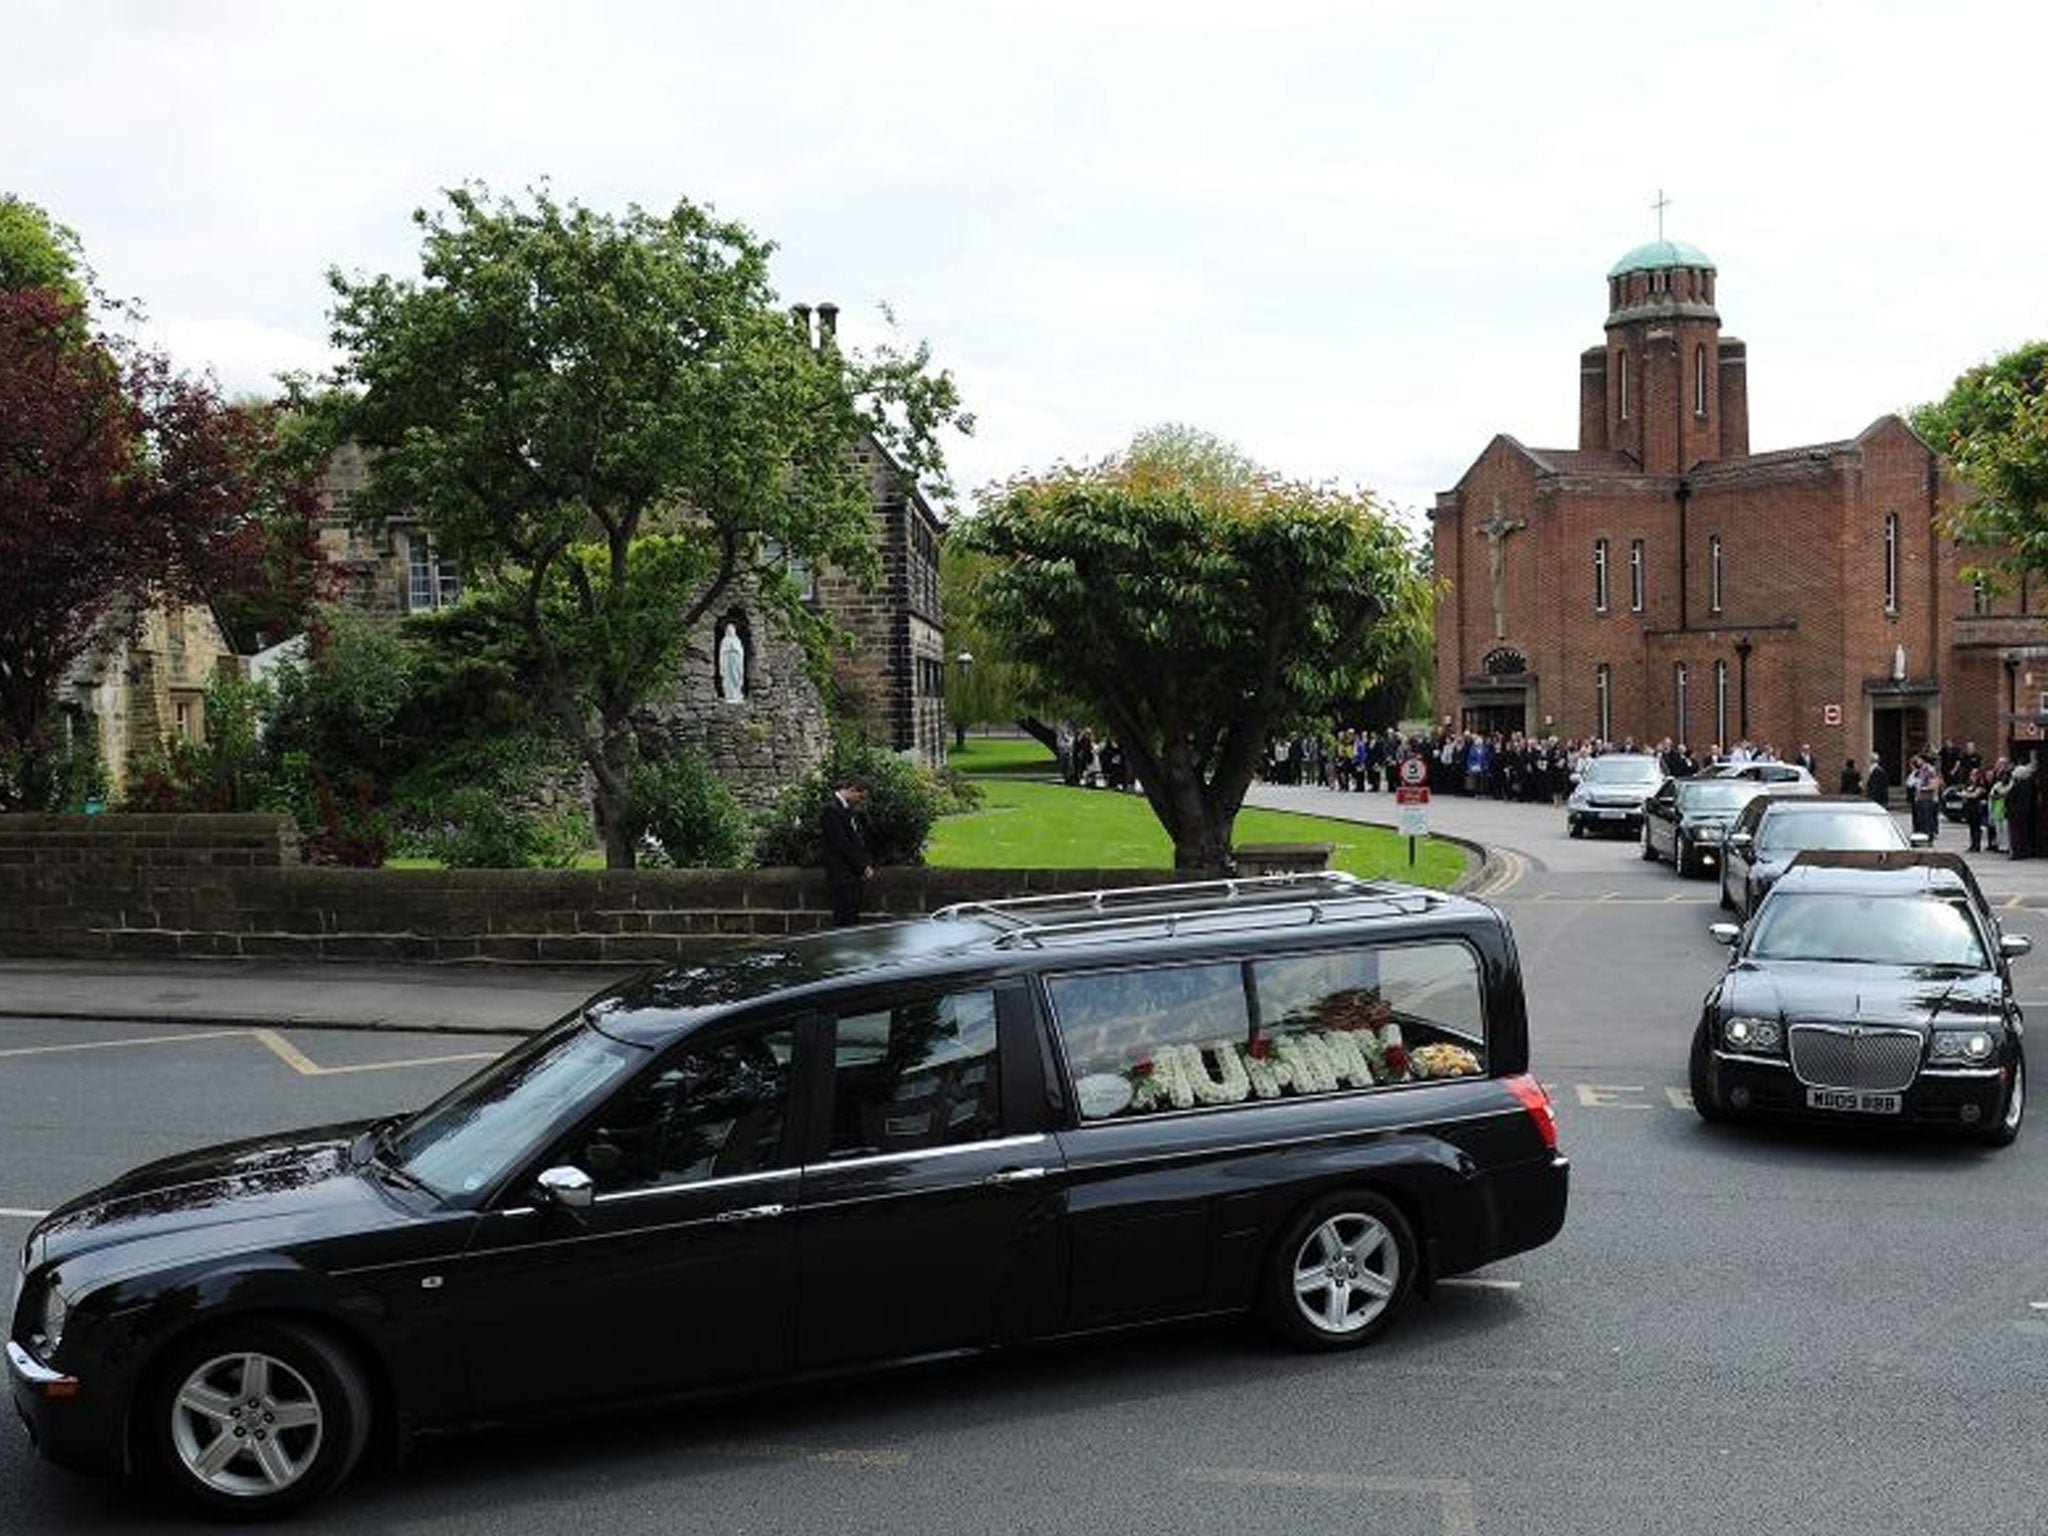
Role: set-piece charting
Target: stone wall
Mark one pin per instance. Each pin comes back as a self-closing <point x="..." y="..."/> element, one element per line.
<point x="227" y="887"/>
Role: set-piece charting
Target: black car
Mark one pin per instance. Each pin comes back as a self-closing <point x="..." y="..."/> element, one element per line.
<point x="1306" y="1097"/>
<point x="1869" y="987"/>
<point x="1684" y="821"/>
<point x="1770" y="833"/>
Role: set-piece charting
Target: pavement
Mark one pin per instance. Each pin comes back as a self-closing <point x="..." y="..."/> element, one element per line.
<point x="1513" y="843"/>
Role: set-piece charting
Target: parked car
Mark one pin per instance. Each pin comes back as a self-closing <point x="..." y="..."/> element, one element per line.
<point x="1872" y="987"/>
<point x="1610" y="792"/>
<point x="1685" y="819"/>
<point x="1771" y="831"/>
<point x="1306" y="1097"/>
<point x="1762" y="771"/>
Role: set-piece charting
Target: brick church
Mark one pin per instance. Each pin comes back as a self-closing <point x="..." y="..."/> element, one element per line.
<point x="1660" y="579"/>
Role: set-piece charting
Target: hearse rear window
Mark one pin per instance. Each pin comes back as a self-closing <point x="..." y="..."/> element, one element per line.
<point x="1182" y="1037"/>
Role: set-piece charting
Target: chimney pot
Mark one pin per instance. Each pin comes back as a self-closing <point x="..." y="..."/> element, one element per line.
<point x="828" y="322"/>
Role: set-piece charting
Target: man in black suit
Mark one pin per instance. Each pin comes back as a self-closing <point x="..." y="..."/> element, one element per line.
<point x="847" y="867"/>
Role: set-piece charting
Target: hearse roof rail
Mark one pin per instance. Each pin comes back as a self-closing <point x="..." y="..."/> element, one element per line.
<point x="1195" y="906"/>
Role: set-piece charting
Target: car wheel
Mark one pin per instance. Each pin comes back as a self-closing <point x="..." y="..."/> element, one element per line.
<point x="1342" y="1272"/>
<point x="2005" y="1130"/>
<point x="257" y="1418"/>
<point x="1704" y="1100"/>
<point x="1574" y="829"/>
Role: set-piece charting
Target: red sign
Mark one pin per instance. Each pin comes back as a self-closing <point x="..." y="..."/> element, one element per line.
<point x="1831" y="714"/>
<point x="1411" y="794"/>
<point x="1414" y="770"/>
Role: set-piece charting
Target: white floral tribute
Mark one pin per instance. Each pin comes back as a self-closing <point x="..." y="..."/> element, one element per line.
<point x="1302" y="1062"/>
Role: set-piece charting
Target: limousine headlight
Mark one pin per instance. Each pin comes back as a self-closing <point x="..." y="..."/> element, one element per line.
<point x="1967" y="1045"/>
<point x="1745" y="1033"/>
<point x="50" y="1325"/>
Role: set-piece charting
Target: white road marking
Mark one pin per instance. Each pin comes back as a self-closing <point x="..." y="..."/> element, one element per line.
<point x="1453" y="1494"/>
<point x="108" y="1045"/>
<point x="9" y="1212"/>
<point x="1482" y="1283"/>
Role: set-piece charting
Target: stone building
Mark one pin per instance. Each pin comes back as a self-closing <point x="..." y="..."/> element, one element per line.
<point x="766" y="725"/>
<point x="142" y="686"/>
<point x="1660" y="579"/>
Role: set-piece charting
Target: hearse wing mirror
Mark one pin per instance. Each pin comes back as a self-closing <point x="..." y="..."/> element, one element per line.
<point x="566" y="1186"/>
<point x="1918" y="839"/>
<point x="2013" y="945"/>
<point x="1725" y="933"/>
<point x="1742" y="840"/>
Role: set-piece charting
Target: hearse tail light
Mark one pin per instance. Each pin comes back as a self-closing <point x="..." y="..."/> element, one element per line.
<point x="1537" y="1102"/>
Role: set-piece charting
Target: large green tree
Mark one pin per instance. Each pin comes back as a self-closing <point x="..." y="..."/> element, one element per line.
<point x="1992" y="426"/>
<point x="610" y="421"/>
<point x="1192" y="603"/>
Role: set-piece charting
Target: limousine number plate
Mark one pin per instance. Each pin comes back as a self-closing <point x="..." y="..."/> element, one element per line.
<point x="1854" y="1102"/>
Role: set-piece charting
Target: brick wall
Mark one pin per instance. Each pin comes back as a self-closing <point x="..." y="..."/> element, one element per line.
<point x="228" y="887"/>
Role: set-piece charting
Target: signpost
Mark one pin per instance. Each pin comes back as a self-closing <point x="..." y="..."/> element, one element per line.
<point x="1411" y="803"/>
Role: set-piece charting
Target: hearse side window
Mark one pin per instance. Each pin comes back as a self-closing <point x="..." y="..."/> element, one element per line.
<point x="1110" y="1021"/>
<point x="1182" y="1037"/>
<point x="710" y="1111"/>
<point x="921" y="1074"/>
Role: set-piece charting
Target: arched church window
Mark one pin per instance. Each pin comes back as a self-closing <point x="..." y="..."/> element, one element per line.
<point x="1504" y="661"/>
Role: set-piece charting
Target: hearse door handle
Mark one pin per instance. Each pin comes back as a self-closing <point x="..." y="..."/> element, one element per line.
<point x="1014" y="1176"/>
<point x="751" y="1213"/>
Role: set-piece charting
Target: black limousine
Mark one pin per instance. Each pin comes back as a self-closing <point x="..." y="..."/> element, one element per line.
<point x="1306" y="1097"/>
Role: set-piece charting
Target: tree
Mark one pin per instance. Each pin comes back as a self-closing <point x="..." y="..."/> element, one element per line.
<point x="610" y="421"/>
<point x="1192" y="603"/>
<point x="122" y="484"/>
<point x="1993" y="427"/>
<point x="38" y="252"/>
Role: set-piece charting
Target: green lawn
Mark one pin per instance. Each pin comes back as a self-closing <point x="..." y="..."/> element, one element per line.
<point x="1002" y="754"/>
<point x="1049" y="826"/>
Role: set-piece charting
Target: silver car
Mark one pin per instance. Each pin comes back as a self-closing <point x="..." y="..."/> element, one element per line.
<point x="1610" y="793"/>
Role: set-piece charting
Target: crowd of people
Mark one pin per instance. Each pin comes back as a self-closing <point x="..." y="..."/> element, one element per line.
<point x="1996" y="798"/>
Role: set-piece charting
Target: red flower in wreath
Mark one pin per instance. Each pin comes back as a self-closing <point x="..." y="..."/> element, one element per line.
<point x="1143" y="1068"/>
<point x="1259" y="1047"/>
<point x="1397" y="1058"/>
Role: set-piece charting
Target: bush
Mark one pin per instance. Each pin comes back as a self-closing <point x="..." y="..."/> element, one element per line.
<point x="898" y="817"/>
<point x="689" y="813"/>
<point x="475" y="828"/>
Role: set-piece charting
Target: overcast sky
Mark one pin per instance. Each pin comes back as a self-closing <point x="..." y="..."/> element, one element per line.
<point x="1356" y="238"/>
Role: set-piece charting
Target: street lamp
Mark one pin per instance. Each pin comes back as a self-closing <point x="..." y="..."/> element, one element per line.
<point x="1742" y="650"/>
<point x="963" y="664"/>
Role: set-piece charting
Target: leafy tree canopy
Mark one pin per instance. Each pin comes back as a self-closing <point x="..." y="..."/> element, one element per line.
<point x="38" y="252"/>
<point x="1992" y="426"/>
<point x="1193" y="602"/>
<point x="609" y="421"/>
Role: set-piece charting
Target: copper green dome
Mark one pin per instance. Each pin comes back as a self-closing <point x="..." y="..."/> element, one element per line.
<point x="1656" y="255"/>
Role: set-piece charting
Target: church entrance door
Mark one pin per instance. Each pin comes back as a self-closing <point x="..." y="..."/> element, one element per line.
<point x="1487" y="719"/>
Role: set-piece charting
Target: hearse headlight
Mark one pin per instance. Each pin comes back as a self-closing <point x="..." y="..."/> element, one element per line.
<point x="1746" y="1033"/>
<point x="50" y="1324"/>
<point x="1966" y="1045"/>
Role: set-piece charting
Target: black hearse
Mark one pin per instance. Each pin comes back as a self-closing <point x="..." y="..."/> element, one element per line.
<point x="1015" y="1120"/>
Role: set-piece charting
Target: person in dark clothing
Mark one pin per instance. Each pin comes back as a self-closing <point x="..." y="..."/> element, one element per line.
<point x="847" y="866"/>
<point x="1852" y="777"/>
<point x="2019" y="811"/>
<point x="1877" y="783"/>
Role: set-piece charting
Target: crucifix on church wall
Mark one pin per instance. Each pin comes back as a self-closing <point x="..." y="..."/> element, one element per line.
<point x="1495" y="531"/>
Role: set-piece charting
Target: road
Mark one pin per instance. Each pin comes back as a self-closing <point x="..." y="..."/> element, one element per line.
<point x="1739" y="1330"/>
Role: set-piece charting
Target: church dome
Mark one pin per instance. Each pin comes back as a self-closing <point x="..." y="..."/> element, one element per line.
<point x="1656" y="255"/>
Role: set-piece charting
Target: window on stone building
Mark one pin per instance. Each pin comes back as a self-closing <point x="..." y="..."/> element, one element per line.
<point x="1720" y="701"/>
<point x="1623" y="379"/>
<point x="1636" y="576"/>
<point x="1699" y="381"/>
<point x="432" y="582"/>
<point x="798" y="569"/>
<point x="1716" y="569"/>
<point x="1891" y="562"/>
<point x="1603" y="694"/>
<point x="1599" y="575"/>
<point x="1678" y="700"/>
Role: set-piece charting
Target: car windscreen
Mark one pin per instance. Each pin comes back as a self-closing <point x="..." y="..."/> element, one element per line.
<point x="1716" y="794"/>
<point x="1883" y="930"/>
<point x="1622" y="770"/>
<point x="1788" y="834"/>
<point x="468" y="1138"/>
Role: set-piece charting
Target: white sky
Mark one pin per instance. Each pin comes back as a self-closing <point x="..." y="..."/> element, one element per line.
<point x="1356" y="238"/>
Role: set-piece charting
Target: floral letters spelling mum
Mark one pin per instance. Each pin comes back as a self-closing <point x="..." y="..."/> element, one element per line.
<point x="1312" y="1061"/>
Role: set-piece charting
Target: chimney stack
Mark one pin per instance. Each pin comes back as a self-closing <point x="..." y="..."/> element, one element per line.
<point x="828" y="324"/>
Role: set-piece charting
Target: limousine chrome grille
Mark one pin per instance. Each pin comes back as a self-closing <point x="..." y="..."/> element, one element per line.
<point x="1854" y="1056"/>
